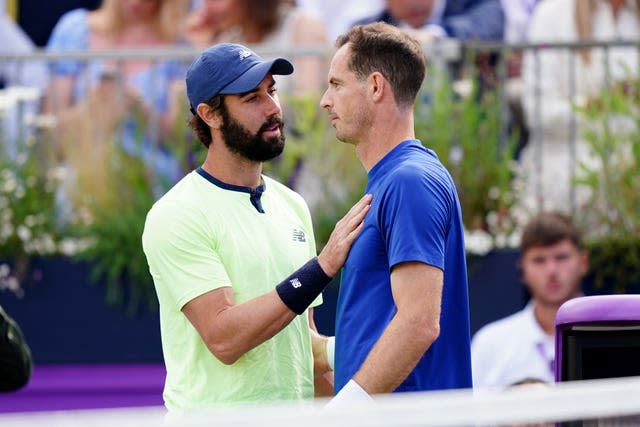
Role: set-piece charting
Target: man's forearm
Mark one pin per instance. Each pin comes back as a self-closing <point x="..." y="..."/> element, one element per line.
<point x="395" y="355"/>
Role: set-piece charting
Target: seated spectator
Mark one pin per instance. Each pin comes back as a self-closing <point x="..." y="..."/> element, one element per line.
<point x="339" y="15"/>
<point x="556" y="80"/>
<point x="274" y="23"/>
<point x="434" y="19"/>
<point x="521" y="346"/>
<point x="15" y="77"/>
<point x="517" y="16"/>
<point x="91" y="99"/>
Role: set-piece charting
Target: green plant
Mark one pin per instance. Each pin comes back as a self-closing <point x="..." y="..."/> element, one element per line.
<point x="116" y="256"/>
<point x="29" y="213"/>
<point x="613" y="137"/>
<point x="127" y="189"/>
<point x="465" y="131"/>
<point x="612" y="221"/>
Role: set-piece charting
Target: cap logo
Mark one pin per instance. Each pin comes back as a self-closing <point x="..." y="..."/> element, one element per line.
<point x="244" y="54"/>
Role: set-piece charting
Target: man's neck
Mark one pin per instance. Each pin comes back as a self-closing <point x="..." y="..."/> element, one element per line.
<point x="232" y="169"/>
<point x="545" y="315"/>
<point x="386" y="134"/>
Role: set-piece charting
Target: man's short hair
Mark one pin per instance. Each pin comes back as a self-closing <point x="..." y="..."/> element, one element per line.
<point x="549" y="228"/>
<point x="390" y="51"/>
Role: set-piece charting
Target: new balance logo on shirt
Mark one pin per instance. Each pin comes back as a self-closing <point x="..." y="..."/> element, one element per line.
<point x="298" y="235"/>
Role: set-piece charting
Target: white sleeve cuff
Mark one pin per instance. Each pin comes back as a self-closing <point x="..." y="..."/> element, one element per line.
<point x="350" y="394"/>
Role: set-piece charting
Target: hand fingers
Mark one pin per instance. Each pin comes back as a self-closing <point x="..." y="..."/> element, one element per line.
<point x="364" y="201"/>
<point x="354" y="233"/>
<point x="356" y="214"/>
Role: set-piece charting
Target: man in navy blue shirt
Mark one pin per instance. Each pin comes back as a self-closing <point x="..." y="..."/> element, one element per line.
<point x="402" y="317"/>
<point x="460" y="19"/>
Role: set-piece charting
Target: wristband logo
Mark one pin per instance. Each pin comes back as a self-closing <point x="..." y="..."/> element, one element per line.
<point x="295" y="282"/>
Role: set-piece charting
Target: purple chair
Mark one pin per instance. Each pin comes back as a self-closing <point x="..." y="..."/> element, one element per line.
<point x="598" y="337"/>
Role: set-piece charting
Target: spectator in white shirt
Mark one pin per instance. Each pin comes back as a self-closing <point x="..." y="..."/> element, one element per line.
<point x="521" y="346"/>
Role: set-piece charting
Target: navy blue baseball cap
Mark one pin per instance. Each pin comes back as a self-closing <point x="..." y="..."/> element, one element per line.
<point x="229" y="68"/>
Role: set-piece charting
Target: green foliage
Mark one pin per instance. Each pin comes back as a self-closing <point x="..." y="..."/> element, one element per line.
<point x="116" y="255"/>
<point x="465" y="132"/>
<point x="27" y="204"/>
<point x="612" y="134"/>
<point x="615" y="263"/>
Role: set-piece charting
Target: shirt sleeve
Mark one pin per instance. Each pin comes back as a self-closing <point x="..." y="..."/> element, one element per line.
<point x="182" y="254"/>
<point x="415" y="212"/>
<point x="70" y="33"/>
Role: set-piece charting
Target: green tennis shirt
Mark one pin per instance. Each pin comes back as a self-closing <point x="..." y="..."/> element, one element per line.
<point x="203" y="235"/>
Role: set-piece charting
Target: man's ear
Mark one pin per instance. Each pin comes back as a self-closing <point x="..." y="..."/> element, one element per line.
<point x="377" y="85"/>
<point x="209" y="115"/>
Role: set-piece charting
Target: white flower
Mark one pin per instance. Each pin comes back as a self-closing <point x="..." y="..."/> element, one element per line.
<point x="4" y="270"/>
<point x="494" y="193"/>
<point x="24" y="233"/>
<point x="44" y="245"/>
<point x="492" y="220"/>
<point x="6" y="231"/>
<point x="515" y="239"/>
<point x="21" y="159"/>
<point x="12" y="284"/>
<point x="501" y="240"/>
<point x="20" y="192"/>
<point x="478" y="242"/>
<point x="9" y="185"/>
<point x="30" y="221"/>
<point x="71" y="247"/>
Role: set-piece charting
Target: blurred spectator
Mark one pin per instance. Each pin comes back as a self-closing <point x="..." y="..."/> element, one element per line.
<point x="339" y="15"/>
<point x="92" y="99"/>
<point x="521" y="346"/>
<point x="21" y="83"/>
<point x="555" y="80"/>
<point x="431" y="20"/>
<point x="434" y="19"/>
<point x="517" y="16"/>
<point x="271" y="23"/>
<point x="15" y="355"/>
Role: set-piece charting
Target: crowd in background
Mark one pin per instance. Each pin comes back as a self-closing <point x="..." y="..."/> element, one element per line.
<point x="541" y="93"/>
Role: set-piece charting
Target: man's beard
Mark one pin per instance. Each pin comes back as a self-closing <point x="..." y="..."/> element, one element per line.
<point x="252" y="146"/>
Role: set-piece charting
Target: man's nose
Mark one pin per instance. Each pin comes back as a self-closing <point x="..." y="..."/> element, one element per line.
<point x="324" y="101"/>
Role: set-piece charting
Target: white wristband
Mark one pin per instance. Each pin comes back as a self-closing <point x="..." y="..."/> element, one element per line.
<point x="350" y="394"/>
<point x="330" y="347"/>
